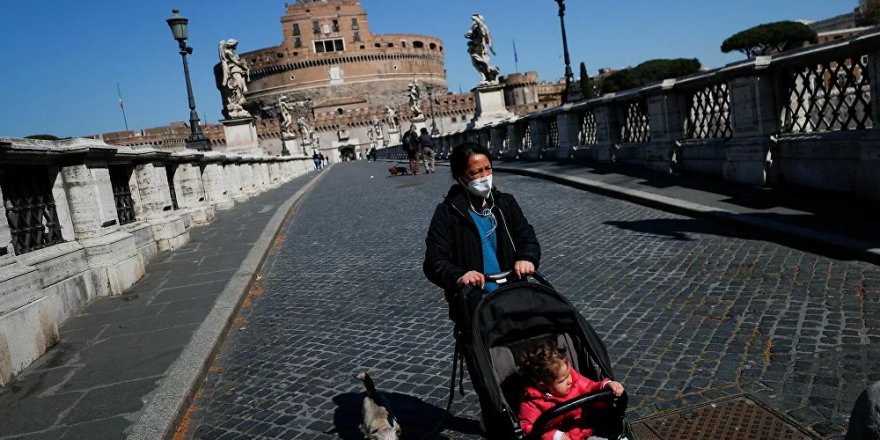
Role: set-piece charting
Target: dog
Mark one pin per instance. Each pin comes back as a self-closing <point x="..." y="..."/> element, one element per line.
<point x="379" y="421"/>
<point x="398" y="170"/>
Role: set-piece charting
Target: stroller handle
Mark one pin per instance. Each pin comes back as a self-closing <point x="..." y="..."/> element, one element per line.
<point x="565" y="407"/>
<point x="502" y="277"/>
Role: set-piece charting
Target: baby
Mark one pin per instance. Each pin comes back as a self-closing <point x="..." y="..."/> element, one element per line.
<point x="550" y="380"/>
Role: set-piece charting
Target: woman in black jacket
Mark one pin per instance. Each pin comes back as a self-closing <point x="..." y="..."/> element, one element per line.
<point x="477" y="229"/>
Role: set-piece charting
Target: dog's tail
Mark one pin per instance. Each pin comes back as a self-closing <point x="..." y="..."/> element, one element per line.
<point x="369" y="385"/>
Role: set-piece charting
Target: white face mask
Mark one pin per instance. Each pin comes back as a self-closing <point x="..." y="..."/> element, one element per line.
<point x="481" y="187"/>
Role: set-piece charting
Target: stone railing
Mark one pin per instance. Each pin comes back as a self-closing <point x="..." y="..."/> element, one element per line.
<point x="81" y="218"/>
<point x="806" y="117"/>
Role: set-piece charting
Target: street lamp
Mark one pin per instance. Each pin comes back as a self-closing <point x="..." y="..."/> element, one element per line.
<point x="569" y="75"/>
<point x="430" y="89"/>
<point x="196" y="140"/>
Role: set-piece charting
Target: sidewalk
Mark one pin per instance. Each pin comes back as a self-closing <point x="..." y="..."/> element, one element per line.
<point x="130" y="360"/>
<point x="840" y="225"/>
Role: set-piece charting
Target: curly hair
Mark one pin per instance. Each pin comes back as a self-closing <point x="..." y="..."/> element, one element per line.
<point x="540" y="363"/>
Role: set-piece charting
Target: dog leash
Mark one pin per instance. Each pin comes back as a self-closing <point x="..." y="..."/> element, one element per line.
<point x="457" y="367"/>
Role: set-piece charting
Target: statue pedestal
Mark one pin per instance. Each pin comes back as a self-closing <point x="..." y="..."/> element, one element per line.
<point x="241" y="136"/>
<point x="393" y="136"/>
<point x="490" y="106"/>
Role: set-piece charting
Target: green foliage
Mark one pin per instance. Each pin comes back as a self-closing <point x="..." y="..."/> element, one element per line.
<point x="766" y="38"/>
<point x="43" y="137"/>
<point x="868" y="14"/>
<point x="649" y="72"/>
<point x="586" y="83"/>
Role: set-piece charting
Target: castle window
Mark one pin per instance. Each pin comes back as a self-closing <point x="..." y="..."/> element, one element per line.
<point x="377" y="45"/>
<point x="354" y="23"/>
<point x="296" y="29"/>
<point x="363" y="47"/>
<point x="340" y="111"/>
<point x="418" y="44"/>
<point x="357" y="36"/>
<point x="335" y="25"/>
<point x="390" y="44"/>
<point x="402" y="43"/>
<point x="335" y="45"/>
<point x="297" y="42"/>
<point x="432" y="46"/>
<point x="316" y="27"/>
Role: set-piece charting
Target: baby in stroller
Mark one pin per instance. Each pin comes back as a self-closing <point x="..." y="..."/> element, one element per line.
<point x="549" y="381"/>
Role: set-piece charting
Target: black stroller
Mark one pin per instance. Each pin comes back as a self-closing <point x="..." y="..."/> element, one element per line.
<point x="491" y="333"/>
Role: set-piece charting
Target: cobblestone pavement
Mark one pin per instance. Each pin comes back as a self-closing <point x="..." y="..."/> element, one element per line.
<point x="690" y="311"/>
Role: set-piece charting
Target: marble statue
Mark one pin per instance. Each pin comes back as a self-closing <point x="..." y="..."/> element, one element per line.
<point x="479" y="45"/>
<point x="414" y="95"/>
<point x="391" y="117"/>
<point x="305" y="132"/>
<point x="235" y="76"/>
<point x="286" y="118"/>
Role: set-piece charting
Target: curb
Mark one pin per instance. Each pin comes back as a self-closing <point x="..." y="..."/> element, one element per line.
<point x="838" y="244"/>
<point x="165" y="404"/>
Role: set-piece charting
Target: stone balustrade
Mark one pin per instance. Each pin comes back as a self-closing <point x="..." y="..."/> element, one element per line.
<point x="81" y="219"/>
<point x="807" y="117"/>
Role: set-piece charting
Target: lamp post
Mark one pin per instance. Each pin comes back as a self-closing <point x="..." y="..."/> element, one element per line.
<point x="196" y="140"/>
<point x="569" y="75"/>
<point x="430" y="89"/>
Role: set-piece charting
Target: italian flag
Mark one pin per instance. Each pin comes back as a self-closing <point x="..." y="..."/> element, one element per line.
<point x="119" y="94"/>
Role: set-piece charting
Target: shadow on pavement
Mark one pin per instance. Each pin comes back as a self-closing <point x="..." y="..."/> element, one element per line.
<point x="416" y="417"/>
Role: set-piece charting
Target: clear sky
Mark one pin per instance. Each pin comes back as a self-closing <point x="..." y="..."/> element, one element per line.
<point x="62" y="58"/>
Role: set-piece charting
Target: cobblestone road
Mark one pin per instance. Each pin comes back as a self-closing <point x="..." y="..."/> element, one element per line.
<point x="690" y="311"/>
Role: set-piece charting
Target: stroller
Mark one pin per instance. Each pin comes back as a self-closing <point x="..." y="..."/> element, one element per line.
<point x="494" y="330"/>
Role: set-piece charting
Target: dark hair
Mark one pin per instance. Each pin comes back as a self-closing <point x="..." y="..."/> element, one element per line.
<point x="424" y="130"/>
<point x="458" y="158"/>
<point x="541" y="362"/>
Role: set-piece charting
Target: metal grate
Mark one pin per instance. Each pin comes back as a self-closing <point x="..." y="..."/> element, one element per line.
<point x="588" y="134"/>
<point x="169" y="172"/>
<point x="119" y="176"/>
<point x="831" y="96"/>
<point x="709" y="113"/>
<point x="527" y="139"/>
<point x="30" y="208"/>
<point x="552" y="140"/>
<point x="735" y="418"/>
<point x="637" y="125"/>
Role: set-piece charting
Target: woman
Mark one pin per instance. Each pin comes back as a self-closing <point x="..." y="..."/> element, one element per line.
<point x="477" y="229"/>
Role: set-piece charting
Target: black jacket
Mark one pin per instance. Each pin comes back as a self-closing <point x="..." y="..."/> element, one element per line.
<point x="426" y="140"/>
<point x="453" y="242"/>
<point x="411" y="142"/>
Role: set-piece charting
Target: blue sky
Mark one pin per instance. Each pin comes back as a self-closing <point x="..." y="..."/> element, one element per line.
<point x="63" y="58"/>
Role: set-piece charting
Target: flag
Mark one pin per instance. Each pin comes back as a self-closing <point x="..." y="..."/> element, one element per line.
<point x="515" y="58"/>
<point x="119" y="94"/>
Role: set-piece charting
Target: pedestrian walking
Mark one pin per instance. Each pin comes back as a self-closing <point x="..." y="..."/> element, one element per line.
<point x="325" y="160"/>
<point x="413" y="147"/>
<point x="427" y="151"/>
<point x="316" y="158"/>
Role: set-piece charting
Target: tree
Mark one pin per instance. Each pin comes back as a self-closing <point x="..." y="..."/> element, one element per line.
<point x="868" y="13"/>
<point x="766" y="38"/>
<point x="44" y="137"/>
<point x="650" y="71"/>
<point x="586" y="83"/>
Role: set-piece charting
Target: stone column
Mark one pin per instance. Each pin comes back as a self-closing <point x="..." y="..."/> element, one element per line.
<point x="217" y="191"/>
<point x="608" y="120"/>
<point x="169" y="229"/>
<point x="111" y="253"/>
<point x="538" y="133"/>
<point x="667" y="112"/>
<point x="750" y="153"/>
<point x="514" y="141"/>
<point x="191" y="193"/>
<point x="497" y="139"/>
<point x="568" y="123"/>
<point x="234" y="182"/>
<point x="867" y="177"/>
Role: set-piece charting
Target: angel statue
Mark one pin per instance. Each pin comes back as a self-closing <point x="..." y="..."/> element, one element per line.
<point x="391" y="117"/>
<point x="286" y="118"/>
<point x="479" y="44"/>
<point x="234" y="82"/>
<point x="305" y="132"/>
<point x="414" y="94"/>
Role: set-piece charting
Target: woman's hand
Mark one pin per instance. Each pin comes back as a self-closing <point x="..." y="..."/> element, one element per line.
<point x="522" y="268"/>
<point x="472" y="278"/>
<point x="615" y="387"/>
